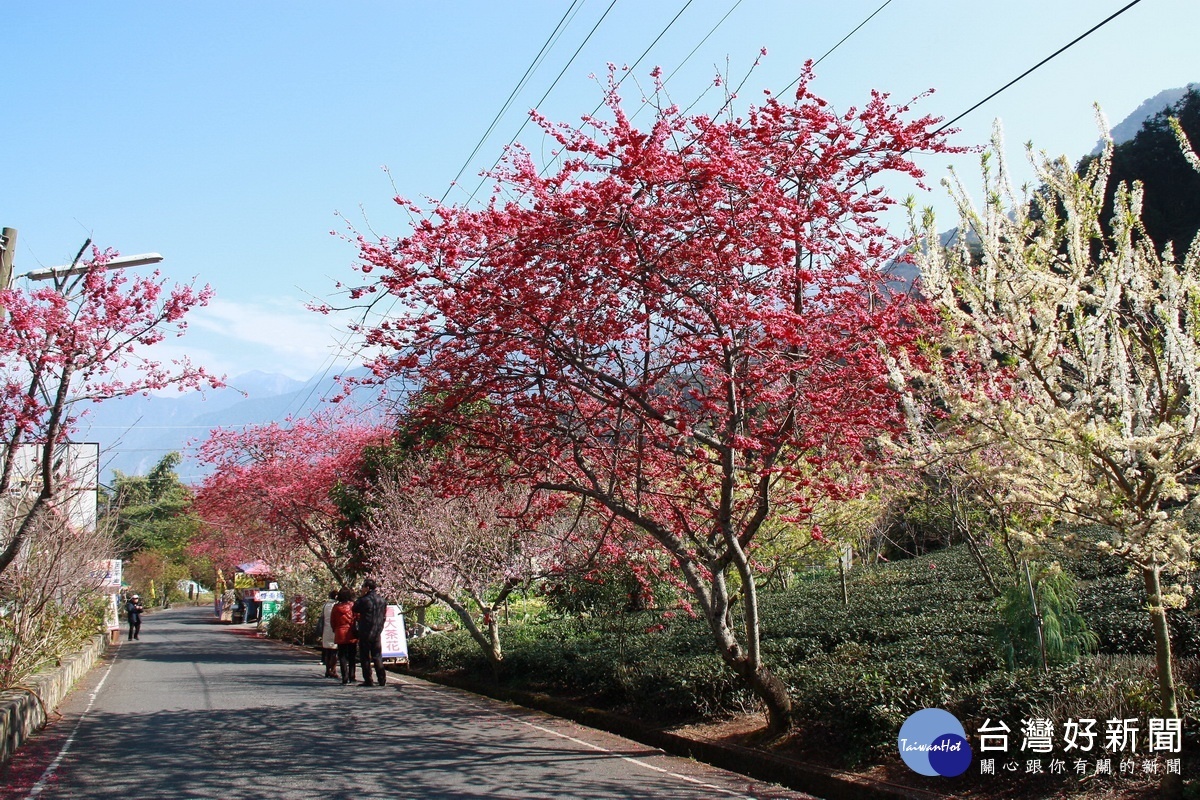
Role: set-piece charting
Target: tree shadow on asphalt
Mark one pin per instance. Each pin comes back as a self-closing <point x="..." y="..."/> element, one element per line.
<point x="354" y="743"/>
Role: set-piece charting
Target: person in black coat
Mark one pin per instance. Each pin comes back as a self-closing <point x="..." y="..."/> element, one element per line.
<point x="134" y="609"/>
<point x="370" y="612"/>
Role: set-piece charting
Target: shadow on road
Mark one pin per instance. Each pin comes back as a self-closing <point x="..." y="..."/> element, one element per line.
<point x="362" y="747"/>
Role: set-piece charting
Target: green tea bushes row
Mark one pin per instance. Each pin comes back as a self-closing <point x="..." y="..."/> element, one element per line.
<point x="913" y="635"/>
<point x="1115" y="610"/>
<point x="660" y="665"/>
<point x="454" y="652"/>
<point x="925" y="611"/>
<point x="663" y="669"/>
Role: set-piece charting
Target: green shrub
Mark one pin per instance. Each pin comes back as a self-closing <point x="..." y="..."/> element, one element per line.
<point x="454" y="651"/>
<point x="917" y="634"/>
<point x="1115" y="610"/>
<point x="1064" y="633"/>
<point x="851" y="704"/>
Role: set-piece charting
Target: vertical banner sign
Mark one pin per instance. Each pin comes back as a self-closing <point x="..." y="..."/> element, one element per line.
<point x="299" y="610"/>
<point x="393" y="639"/>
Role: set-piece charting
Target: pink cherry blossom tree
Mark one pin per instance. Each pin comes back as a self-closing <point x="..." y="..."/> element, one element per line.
<point x="270" y="493"/>
<point x="467" y="550"/>
<point x="63" y="346"/>
<point x="681" y="325"/>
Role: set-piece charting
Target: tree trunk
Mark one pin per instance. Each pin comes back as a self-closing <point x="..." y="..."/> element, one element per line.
<point x="959" y="524"/>
<point x="746" y="663"/>
<point x="488" y="641"/>
<point x="1172" y="785"/>
<point x="768" y="688"/>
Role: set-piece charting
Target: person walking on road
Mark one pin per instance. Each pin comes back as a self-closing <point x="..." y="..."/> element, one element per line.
<point x="134" y="610"/>
<point x="341" y="621"/>
<point x="370" y="613"/>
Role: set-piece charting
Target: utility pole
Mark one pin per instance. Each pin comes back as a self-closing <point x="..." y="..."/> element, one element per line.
<point x="8" y="246"/>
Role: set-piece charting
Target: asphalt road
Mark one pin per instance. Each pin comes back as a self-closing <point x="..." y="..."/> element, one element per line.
<point x="195" y="709"/>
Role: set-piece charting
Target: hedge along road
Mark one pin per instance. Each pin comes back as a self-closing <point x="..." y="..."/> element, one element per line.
<point x="194" y="709"/>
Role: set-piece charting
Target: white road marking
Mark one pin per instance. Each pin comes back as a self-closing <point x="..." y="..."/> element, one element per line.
<point x="598" y="748"/>
<point x="40" y="786"/>
<point x="636" y="761"/>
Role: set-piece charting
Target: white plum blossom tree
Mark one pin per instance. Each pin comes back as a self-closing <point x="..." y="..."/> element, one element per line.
<point x="1073" y="350"/>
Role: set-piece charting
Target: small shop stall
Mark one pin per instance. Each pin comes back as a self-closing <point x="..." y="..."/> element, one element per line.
<point x="253" y="597"/>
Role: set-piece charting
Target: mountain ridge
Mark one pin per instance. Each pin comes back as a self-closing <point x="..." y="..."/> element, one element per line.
<point x="134" y="433"/>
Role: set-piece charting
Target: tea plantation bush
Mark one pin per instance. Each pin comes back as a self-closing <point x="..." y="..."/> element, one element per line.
<point x="915" y="634"/>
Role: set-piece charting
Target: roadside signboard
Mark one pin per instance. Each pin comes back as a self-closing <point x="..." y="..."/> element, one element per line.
<point x="393" y="639"/>
<point x="272" y="604"/>
<point x="107" y="573"/>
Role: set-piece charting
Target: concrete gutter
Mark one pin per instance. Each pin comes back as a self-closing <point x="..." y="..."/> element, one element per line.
<point x="25" y="709"/>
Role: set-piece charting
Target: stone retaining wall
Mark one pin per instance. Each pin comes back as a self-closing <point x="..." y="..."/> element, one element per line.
<point x="24" y="711"/>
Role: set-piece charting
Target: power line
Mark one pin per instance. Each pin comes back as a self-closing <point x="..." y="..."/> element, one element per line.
<point x="840" y="42"/>
<point x="661" y="34"/>
<point x="710" y="33"/>
<point x="700" y="44"/>
<point x="632" y="67"/>
<point x="533" y="65"/>
<point x="562" y="72"/>
<point x="1036" y="66"/>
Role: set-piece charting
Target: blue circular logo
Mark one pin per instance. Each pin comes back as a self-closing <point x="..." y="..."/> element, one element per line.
<point x="933" y="742"/>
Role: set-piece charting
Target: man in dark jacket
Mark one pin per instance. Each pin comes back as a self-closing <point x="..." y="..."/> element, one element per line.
<point x="134" y="610"/>
<point x="370" y="612"/>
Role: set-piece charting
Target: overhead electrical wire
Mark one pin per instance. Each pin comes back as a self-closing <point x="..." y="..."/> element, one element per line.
<point x="700" y="44"/>
<point x="533" y="65"/>
<point x="561" y="72"/>
<point x="841" y="42"/>
<point x="1041" y="63"/>
<point x="629" y="70"/>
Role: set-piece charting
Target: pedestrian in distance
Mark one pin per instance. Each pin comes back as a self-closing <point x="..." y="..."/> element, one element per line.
<point x="341" y="622"/>
<point x="329" y="656"/>
<point x="370" y="613"/>
<point x="134" y="610"/>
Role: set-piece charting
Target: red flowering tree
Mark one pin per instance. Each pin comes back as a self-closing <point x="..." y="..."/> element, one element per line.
<point x="682" y="325"/>
<point x="270" y="493"/>
<point x="79" y="340"/>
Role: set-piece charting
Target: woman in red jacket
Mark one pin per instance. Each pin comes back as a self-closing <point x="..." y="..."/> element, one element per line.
<point x="341" y="619"/>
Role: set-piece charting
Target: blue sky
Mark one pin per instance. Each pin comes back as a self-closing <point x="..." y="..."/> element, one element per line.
<point x="230" y="136"/>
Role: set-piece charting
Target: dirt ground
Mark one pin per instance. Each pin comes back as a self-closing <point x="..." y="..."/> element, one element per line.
<point x="747" y="732"/>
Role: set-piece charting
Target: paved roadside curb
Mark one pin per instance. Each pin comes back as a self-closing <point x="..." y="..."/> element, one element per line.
<point x="815" y="779"/>
<point x="24" y="710"/>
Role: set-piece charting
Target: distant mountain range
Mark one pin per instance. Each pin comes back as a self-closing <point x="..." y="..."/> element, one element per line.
<point x="135" y="432"/>
<point x="1129" y="127"/>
